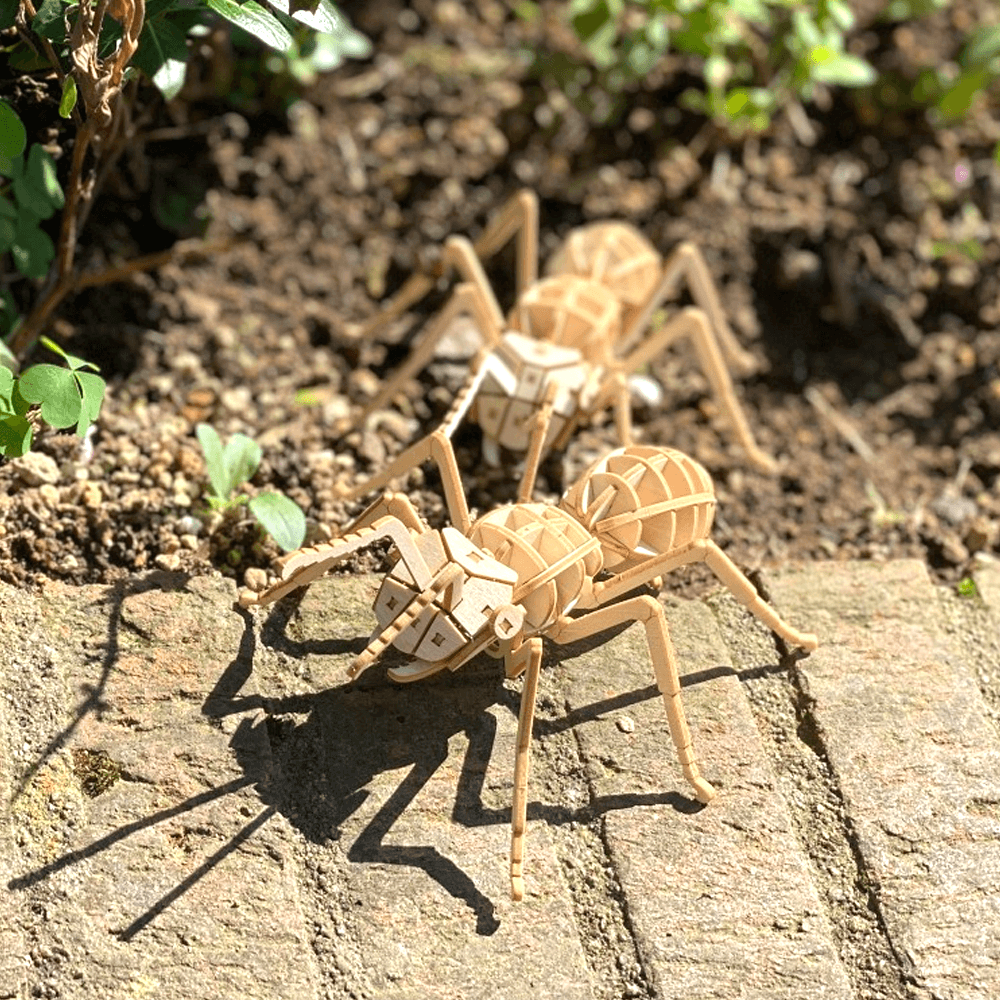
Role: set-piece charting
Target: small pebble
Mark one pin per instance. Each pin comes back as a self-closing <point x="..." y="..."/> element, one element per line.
<point x="188" y="525"/>
<point x="255" y="578"/>
<point x="626" y="724"/>
<point x="35" y="468"/>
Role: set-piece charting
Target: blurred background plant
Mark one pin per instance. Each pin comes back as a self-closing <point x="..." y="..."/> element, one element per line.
<point x="754" y="59"/>
<point x="100" y="54"/>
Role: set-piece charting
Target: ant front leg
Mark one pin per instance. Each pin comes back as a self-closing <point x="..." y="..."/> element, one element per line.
<point x="527" y="658"/>
<point x="650" y="612"/>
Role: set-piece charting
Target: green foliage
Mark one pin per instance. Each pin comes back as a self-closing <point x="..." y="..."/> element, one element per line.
<point x="755" y="56"/>
<point x="952" y="93"/>
<point x="67" y="397"/>
<point x="29" y="194"/>
<point x="312" y="53"/>
<point x="967" y="587"/>
<point x="164" y="52"/>
<point x="232" y="465"/>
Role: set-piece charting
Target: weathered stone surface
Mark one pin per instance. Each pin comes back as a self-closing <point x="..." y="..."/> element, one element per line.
<point x="720" y="896"/>
<point x="918" y="764"/>
<point x="987" y="578"/>
<point x="405" y="791"/>
<point x="148" y="862"/>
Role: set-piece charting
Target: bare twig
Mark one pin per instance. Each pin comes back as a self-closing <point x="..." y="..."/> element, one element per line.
<point x="841" y="424"/>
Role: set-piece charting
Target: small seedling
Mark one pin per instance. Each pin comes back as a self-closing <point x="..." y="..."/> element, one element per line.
<point x="231" y="466"/>
<point x="967" y="587"/>
<point x="68" y="397"/>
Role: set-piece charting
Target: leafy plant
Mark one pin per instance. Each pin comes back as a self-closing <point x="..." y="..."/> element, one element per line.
<point x="98" y="50"/>
<point x="67" y="397"/>
<point x="755" y="56"/>
<point x="231" y="466"/>
<point x="952" y="94"/>
<point x="29" y="193"/>
<point x="967" y="587"/>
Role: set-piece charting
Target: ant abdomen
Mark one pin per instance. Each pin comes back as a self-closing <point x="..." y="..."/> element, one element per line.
<point x="642" y="501"/>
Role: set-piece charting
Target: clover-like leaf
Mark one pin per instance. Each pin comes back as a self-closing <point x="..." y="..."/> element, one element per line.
<point x="211" y="448"/>
<point x="13" y="137"/>
<point x="92" y="389"/>
<point x="57" y="392"/>
<point x="281" y="517"/>
<point x="15" y="435"/>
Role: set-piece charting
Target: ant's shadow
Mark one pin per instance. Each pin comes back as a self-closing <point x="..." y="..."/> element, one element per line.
<point x="329" y="747"/>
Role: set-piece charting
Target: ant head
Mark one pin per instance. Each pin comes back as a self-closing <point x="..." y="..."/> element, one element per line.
<point x="456" y="598"/>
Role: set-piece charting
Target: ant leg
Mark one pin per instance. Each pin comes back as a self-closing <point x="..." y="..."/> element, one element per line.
<point x="519" y="216"/>
<point x="743" y="590"/>
<point x="649" y="611"/>
<point x="693" y="323"/>
<point x="466" y="301"/>
<point x="536" y="445"/>
<point x="528" y="656"/>
<point x="687" y="262"/>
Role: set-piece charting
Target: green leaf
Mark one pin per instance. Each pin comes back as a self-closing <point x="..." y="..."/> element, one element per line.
<point x="41" y="173"/>
<point x="68" y="100"/>
<point x="840" y="68"/>
<point x="6" y="388"/>
<point x="13" y="137"/>
<point x="321" y="16"/>
<point x="242" y="456"/>
<point x="15" y="435"/>
<point x="49" y="21"/>
<point x="254" y="20"/>
<point x="36" y="187"/>
<point x="57" y="391"/>
<point x="955" y="102"/>
<point x="92" y="388"/>
<point x="281" y="518"/>
<point x="982" y="46"/>
<point x="211" y="447"/>
<point x="163" y="55"/>
<point x="32" y="250"/>
<point x="841" y="14"/>
<point x="71" y="359"/>
<point x="8" y="14"/>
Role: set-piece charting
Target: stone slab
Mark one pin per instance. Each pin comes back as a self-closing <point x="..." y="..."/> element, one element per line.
<point x="987" y="577"/>
<point x="149" y="864"/>
<point x="720" y="897"/>
<point x="405" y="792"/>
<point x="918" y="764"/>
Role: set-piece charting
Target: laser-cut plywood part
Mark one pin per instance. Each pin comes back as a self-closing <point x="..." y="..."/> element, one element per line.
<point x="513" y="576"/>
<point x="564" y="353"/>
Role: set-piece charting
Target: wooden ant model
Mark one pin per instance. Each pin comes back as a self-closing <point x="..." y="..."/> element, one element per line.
<point x="566" y="350"/>
<point x="514" y="575"/>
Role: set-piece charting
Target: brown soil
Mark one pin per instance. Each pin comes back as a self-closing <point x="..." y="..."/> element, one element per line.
<point x="839" y="263"/>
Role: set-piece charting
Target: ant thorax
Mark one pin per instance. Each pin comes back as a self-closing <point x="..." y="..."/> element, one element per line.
<point x="571" y="311"/>
<point x="521" y="374"/>
<point x="554" y="556"/>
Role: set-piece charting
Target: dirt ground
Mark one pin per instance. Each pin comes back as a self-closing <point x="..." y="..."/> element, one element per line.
<point x="843" y="261"/>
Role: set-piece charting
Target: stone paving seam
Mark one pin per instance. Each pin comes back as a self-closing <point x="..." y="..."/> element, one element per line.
<point x="720" y="898"/>
<point x="905" y="728"/>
